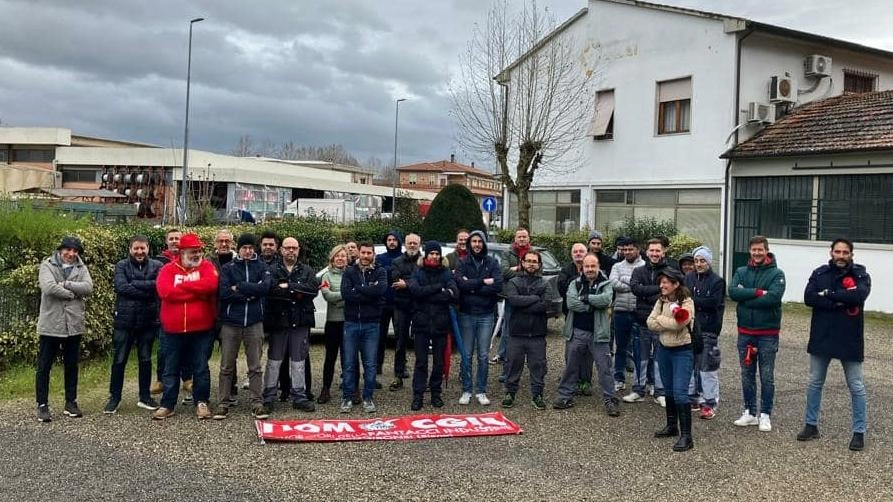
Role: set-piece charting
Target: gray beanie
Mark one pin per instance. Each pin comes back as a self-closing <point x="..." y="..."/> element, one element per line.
<point x="595" y="234"/>
<point x="705" y="253"/>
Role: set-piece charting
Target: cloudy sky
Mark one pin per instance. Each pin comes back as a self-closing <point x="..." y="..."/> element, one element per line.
<point x="314" y="72"/>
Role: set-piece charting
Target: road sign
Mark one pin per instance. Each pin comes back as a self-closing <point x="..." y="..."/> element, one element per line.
<point x="489" y="204"/>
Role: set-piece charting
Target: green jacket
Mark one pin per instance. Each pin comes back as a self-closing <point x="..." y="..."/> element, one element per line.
<point x="758" y="314"/>
<point x="332" y="294"/>
<point x="598" y="301"/>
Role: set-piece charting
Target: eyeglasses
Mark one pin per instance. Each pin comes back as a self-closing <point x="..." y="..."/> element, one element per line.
<point x="291" y="248"/>
<point x="532" y="262"/>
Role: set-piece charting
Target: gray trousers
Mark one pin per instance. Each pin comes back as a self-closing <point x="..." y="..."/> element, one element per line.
<point x="580" y="351"/>
<point x="231" y="338"/>
<point x="533" y="351"/>
<point x="294" y="343"/>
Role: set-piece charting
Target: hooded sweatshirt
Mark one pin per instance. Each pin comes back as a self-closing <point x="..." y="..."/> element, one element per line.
<point x="386" y="260"/>
<point x="477" y="297"/>
<point x="758" y="289"/>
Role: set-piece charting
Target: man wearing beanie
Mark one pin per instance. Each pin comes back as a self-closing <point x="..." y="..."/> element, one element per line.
<point x="244" y="285"/>
<point x="433" y="288"/>
<point x="708" y="291"/>
<point x="402" y="270"/>
<point x="64" y="284"/>
<point x="596" y="242"/>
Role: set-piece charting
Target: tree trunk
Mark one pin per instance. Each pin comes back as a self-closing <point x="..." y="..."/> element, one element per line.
<point x="524" y="208"/>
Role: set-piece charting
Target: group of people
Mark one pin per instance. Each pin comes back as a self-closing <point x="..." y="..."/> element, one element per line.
<point x="638" y="307"/>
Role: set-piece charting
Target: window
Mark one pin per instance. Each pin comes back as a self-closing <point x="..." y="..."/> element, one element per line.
<point x="858" y="82"/>
<point x="859" y="207"/>
<point x="413" y="178"/>
<point x="80" y="176"/>
<point x="603" y="120"/>
<point x="674" y="106"/>
<point x="551" y="212"/>
<point x="33" y="155"/>
<point x="4" y="155"/>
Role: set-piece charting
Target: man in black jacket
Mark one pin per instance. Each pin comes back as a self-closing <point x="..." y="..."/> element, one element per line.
<point x="708" y="291"/>
<point x="433" y="289"/>
<point x="402" y="270"/>
<point x="136" y="321"/>
<point x="289" y="316"/>
<point x="837" y="293"/>
<point x="644" y="285"/>
<point x="532" y="300"/>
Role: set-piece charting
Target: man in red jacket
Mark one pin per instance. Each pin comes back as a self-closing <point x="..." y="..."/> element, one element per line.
<point x="187" y="287"/>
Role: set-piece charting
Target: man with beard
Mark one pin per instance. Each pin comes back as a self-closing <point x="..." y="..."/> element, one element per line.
<point x="393" y="244"/>
<point x="461" y="250"/>
<point x="433" y="289"/>
<point x="64" y="284"/>
<point x="136" y="321"/>
<point x="362" y="288"/>
<point x="837" y="293"/>
<point x="596" y="243"/>
<point x="511" y="267"/>
<point x="187" y="288"/>
<point x="708" y="291"/>
<point x="625" y="327"/>
<point x="401" y="272"/>
<point x="290" y="315"/>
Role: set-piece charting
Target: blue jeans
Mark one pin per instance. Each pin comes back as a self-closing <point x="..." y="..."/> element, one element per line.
<point x="852" y="370"/>
<point x="647" y="343"/>
<point x="623" y="335"/>
<point x="767" y="347"/>
<point x="186" y="348"/>
<point x="675" y="368"/>
<point x="476" y="332"/>
<point x="122" y="341"/>
<point x="362" y="338"/>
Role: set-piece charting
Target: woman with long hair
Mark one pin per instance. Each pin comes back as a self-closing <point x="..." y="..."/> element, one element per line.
<point x="672" y="318"/>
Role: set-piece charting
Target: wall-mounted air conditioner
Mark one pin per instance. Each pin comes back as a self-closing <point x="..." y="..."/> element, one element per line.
<point x="817" y="65"/>
<point x="782" y="89"/>
<point x="760" y="113"/>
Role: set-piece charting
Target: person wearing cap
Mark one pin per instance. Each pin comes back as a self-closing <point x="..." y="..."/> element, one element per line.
<point x="686" y="263"/>
<point x="187" y="288"/>
<point x="135" y="323"/>
<point x="708" y="291"/>
<point x="64" y="283"/>
<point x="671" y="318"/>
<point x="837" y="292"/>
<point x="433" y="288"/>
<point x="244" y="285"/>
<point x="624" y="317"/>
<point x="596" y="246"/>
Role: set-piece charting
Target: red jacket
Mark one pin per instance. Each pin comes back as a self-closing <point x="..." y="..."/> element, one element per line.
<point x="188" y="297"/>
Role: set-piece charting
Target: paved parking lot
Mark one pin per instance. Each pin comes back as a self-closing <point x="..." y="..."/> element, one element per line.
<point x="578" y="454"/>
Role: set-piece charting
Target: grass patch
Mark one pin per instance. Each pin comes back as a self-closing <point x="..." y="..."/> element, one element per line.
<point x="17" y="382"/>
<point x="872" y="317"/>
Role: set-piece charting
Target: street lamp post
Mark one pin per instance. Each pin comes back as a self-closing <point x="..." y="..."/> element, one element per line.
<point x="185" y="183"/>
<point x="396" y="122"/>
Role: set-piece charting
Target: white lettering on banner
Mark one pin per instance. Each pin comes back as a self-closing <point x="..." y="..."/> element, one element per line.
<point x="190" y="277"/>
<point x="337" y="427"/>
<point x="450" y="422"/>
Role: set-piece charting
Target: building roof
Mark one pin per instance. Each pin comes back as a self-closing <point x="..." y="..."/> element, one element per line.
<point x="445" y="166"/>
<point x="843" y="124"/>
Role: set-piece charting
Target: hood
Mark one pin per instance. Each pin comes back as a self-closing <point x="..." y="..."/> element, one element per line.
<point x="769" y="262"/>
<point x="399" y="236"/>
<point x="254" y="257"/>
<point x="483" y="237"/>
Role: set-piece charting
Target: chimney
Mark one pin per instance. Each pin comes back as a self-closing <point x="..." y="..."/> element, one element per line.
<point x="452" y="158"/>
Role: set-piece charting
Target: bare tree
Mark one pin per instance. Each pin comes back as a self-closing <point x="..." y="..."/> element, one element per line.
<point x="524" y="95"/>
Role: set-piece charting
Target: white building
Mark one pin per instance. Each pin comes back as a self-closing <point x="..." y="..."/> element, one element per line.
<point x="674" y="89"/>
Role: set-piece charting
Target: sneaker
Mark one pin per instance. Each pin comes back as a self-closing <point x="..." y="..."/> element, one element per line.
<point x="586" y="388"/>
<point x="260" y="412"/>
<point x="707" y="412"/>
<point x="157" y="387"/>
<point x="232" y="402"/>
<point x="611" y="408"/>
<point x="43" y="413"/>
<point x="808" y="432"/>
<point x="416" y="403"/>
<point x="437" y="401"/>
<point x="346" y="405"/>
<point x="618" y="386"/>
<point x="111" y="407"/>
<point x="650" y="390"/>
<point x="72" y="410"/>
<point x="221" y="413"/>
<point x="187" y="386"/>
<point x="747" y="419"/>
<point x="149" y="404"/>
<point x="858" y="441"/>
<point x="765" y="423"/>
<point x="509" y="400"/>
<point x="369" y="406"/>
<point x="396" y="385"/>
<point x="482" y="398"/>
<point x="695" y="406"/>
<point x="162" y="413"/>
<point x="562" y="403"/>
<point x="357" y="399"/>
<point x="465" y="398"/>
<point x="187" y="400"/>
<point x="661" y="400"/>
<point x="245" y="384"/>
<point x="633" y="397"/>
<point x="307" y="406"/>
<point x="538" y="402"/>
<point x="202" y="411"/>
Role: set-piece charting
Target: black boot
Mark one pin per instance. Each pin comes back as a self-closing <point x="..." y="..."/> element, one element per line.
<point x="808" y="432"/>
<point x="684" y="443"/>
<point x="670" y="429"/>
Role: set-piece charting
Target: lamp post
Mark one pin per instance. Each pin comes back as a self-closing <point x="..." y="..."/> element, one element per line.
<point x="396" y="122"/>
<point x="185" y="183"/>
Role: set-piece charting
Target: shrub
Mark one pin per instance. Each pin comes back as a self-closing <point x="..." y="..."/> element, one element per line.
<point x="642" y="229"/>
<point x="454" y="207"/>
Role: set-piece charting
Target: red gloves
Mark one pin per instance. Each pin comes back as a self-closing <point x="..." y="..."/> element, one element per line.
<point x="849" y="283"/>
<point x="680" y="314"/>
<point x="760" y="292"/>
<point x="325" y="284"/>
<point x="750" y="354"/>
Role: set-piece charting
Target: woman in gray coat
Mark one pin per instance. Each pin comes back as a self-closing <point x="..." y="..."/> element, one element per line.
<point x="64" y="284"/>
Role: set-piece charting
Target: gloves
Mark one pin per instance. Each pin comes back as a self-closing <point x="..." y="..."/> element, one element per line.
<point x="325" y="284"/>
<point x="849" y="283"/>
<point x="760" y="292"/>
<point x="679" y="314"/>
<point x="750" y="354"/>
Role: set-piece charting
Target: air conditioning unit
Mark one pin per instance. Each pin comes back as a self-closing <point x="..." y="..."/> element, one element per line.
<point x="760" y="113"/>
<point x="817" y="65"/>
<point x="782" y="90"/>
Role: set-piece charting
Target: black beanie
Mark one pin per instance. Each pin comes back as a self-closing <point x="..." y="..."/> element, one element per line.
<point x="245" y="240"/>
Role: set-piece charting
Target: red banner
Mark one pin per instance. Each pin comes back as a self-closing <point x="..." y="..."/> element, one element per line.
<point x="379" y="429"/>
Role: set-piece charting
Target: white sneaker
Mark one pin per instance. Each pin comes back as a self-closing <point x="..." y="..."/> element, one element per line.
<point x="765" y="423"/>
<point x="748" y="419"/>
<point x="482" y="399"/>
<point x="369" y="406"/>
<point x="633" y="397"/>
<point x="619" y="386"/>
<point x="466" y="398"/>
<point x="661" y="400"/>
<point x="650" y="390"/>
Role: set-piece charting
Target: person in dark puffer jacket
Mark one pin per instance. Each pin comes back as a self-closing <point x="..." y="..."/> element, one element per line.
<point x="402" y="270"/>
<point x="644" y="285"/>
<point x="708" y="291"/>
